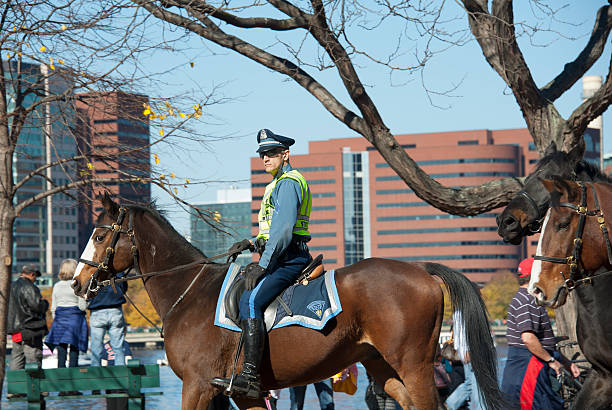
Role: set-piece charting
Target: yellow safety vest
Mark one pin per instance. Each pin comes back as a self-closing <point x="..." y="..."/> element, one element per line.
<point x="267" y="208"/>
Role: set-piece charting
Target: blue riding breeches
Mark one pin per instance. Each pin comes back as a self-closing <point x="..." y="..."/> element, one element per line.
<point x="253" y="302"/>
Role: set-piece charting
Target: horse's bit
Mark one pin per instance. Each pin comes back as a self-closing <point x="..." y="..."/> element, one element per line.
<point x="573" y="261"/>
<point x="107" y="265"/>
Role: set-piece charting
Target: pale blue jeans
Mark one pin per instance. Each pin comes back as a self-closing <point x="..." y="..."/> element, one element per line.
<point x="107" y="320"/>
<point x="468" y="390"/>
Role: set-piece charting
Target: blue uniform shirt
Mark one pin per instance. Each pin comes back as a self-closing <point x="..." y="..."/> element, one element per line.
<point x="286" y="198"/>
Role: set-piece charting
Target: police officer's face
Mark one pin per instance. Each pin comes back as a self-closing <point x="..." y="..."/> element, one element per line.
<point x="274" y="159"/>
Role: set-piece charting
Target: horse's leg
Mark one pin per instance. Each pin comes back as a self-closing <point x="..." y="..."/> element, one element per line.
<point x="386" y="377"/>
<point x="196" y="394"/>
<point x="244" y="404"/>
<point x="596" y="393"/>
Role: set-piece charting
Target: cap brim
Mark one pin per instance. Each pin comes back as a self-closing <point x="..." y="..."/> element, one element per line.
<point x="270" y="147"/>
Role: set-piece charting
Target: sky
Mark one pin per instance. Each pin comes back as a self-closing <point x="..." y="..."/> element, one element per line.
<point x="254" y="97"/>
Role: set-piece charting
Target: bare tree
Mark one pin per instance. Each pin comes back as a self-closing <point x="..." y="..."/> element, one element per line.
<point x="329" y="25"/>
<point x="63" y="63"/>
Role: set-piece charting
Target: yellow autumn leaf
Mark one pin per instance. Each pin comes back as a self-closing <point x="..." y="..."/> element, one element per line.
<point x="175" y="191"/>
<point x="52" y="66"/>
<point x="167" y="104"/>
<point x="64" y="27"/>
<point x="43" y="49"/>
<point x="161" y="132"/>
<point x="172" y="175"/>
<point x="196" y="107"/>
<point x="192" y="64"/>
<point x="146" y="112"/>
<point x="162" y="176"/>
<point x="182" y="115"/>
<point x="61" y="62"/>
<point x="89" y="165"/>
<point x="156" y="158"/>
<point x="187" y="180"/>
<point x="8" y="56"/>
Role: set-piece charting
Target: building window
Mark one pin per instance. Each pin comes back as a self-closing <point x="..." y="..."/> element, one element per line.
<point x="438" y="230"/>
<point x="468" y="142"/>
<point x="324" y="208"/>
<point x="532" y="146"/>
<point x="451" y="257"/>
<point x="324" y="195"/>
<point x="435" y="244"/>
<point x="324" y="248"/>
<point x="317" y="169"/>
<point x="322" y="221"/>
<point x="394" y="191"/>
<point x="402" y="204"/>
<point x="321" y="181"/>
<point x="425" y="217"/>
<point x="323" y="235"/>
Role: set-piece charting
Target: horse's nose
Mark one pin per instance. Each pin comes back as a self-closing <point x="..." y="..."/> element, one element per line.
<point x="509" y="222"/>
<point x="76" y="286"/>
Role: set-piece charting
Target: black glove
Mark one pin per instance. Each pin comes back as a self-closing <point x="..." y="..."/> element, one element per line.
<point x="243" y="245"/>
<point x="252" y="273"/>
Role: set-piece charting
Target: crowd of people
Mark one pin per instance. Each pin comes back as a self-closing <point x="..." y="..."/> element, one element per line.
<point x="69" y="334"/>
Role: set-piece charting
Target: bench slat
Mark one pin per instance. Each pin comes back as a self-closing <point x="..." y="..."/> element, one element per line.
<point x="83" y="378"/>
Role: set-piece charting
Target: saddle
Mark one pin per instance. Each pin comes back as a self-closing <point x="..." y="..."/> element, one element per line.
<point x="232" y="300"/>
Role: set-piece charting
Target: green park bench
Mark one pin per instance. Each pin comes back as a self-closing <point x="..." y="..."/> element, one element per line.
<point x="33" y="381"/>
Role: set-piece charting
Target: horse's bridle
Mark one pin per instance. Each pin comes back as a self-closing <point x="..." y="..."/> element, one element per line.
<point x="536" y="225"/>
<point x="573" y="261"/>
<point x="107" y="265"/>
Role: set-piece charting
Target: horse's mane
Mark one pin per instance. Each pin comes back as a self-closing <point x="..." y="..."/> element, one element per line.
<point x="583" y="171"/>
<point x="182" y="244"/>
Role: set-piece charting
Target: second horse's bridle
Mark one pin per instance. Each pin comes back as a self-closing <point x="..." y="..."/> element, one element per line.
<point x="573" y="261"/>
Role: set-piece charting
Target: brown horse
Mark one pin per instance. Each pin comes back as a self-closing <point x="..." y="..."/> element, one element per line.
<point x="575" y="254"/>
<point x="392" y="312"/>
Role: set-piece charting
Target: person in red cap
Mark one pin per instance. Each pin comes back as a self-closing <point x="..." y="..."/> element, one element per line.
<point x="531" y="351"/>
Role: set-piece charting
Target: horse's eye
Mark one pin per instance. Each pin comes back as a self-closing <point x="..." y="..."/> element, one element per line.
<point x="99" y="238"/>
<point x="563" y="226"/>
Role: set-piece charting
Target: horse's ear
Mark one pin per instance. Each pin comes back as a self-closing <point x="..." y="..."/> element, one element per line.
<point x="109" y="205"/>
<point x="551" y="149"/>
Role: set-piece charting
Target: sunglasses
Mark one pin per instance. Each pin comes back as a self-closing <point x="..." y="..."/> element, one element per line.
<point x="271" y="154"/>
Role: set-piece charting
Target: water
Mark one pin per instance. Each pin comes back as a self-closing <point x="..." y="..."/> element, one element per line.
<point x="171" y="386"/>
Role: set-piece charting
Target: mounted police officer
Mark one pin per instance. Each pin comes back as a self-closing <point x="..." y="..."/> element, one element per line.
<point x="281" y="242"/>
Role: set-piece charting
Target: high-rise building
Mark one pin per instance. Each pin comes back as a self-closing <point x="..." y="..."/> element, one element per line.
<point x="45" y="232"/>
<point x="361" y="208"/>
<point x="232" y="215"/>
<point x="111" y="124"/>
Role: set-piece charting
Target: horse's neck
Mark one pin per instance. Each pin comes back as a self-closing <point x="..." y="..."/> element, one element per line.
<point x="157" y="254"/>
<point x="594" y="321"/>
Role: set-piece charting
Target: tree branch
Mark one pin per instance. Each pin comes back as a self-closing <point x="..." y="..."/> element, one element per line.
<point x="248" y="22"/>
<point x="574" y="70"/>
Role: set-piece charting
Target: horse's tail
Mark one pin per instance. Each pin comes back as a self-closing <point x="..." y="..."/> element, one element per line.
<point x="465" y="297"/>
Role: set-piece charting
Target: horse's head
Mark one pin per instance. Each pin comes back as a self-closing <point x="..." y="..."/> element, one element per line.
<point x="565" y="250"/>
<point x="524" y="213"/>
<point x="108" y="251"/>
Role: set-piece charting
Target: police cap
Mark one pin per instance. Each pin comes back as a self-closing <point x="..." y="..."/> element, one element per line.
<point x="268" y="140"/>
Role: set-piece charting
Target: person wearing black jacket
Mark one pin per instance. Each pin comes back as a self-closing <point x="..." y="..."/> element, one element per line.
<point x="27" y="322"/>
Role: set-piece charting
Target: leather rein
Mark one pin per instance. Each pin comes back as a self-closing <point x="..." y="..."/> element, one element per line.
<point x="107" y="265"/>
<point x="573" y="261"/>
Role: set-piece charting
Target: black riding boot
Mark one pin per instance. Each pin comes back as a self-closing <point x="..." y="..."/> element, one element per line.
<point x="247" y="383"/>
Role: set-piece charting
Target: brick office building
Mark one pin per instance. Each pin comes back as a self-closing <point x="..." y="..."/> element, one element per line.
<point x="111" y="123"/>
<point x="362" y="209"/>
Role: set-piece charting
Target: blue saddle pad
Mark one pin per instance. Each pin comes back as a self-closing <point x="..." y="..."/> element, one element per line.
<point x="311" y="306"/>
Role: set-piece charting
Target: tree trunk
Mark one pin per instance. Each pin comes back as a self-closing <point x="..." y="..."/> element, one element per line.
<point x="6" y="252"/>
<point x="565" y="318"/>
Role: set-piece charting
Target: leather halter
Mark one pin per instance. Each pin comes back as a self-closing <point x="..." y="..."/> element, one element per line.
<point x="107" y="265"/>
<point x="573" y="261"/>
<point x="535" y="226"/>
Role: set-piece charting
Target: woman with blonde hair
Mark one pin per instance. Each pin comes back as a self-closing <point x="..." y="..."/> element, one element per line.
<point x="69" y="328"/>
